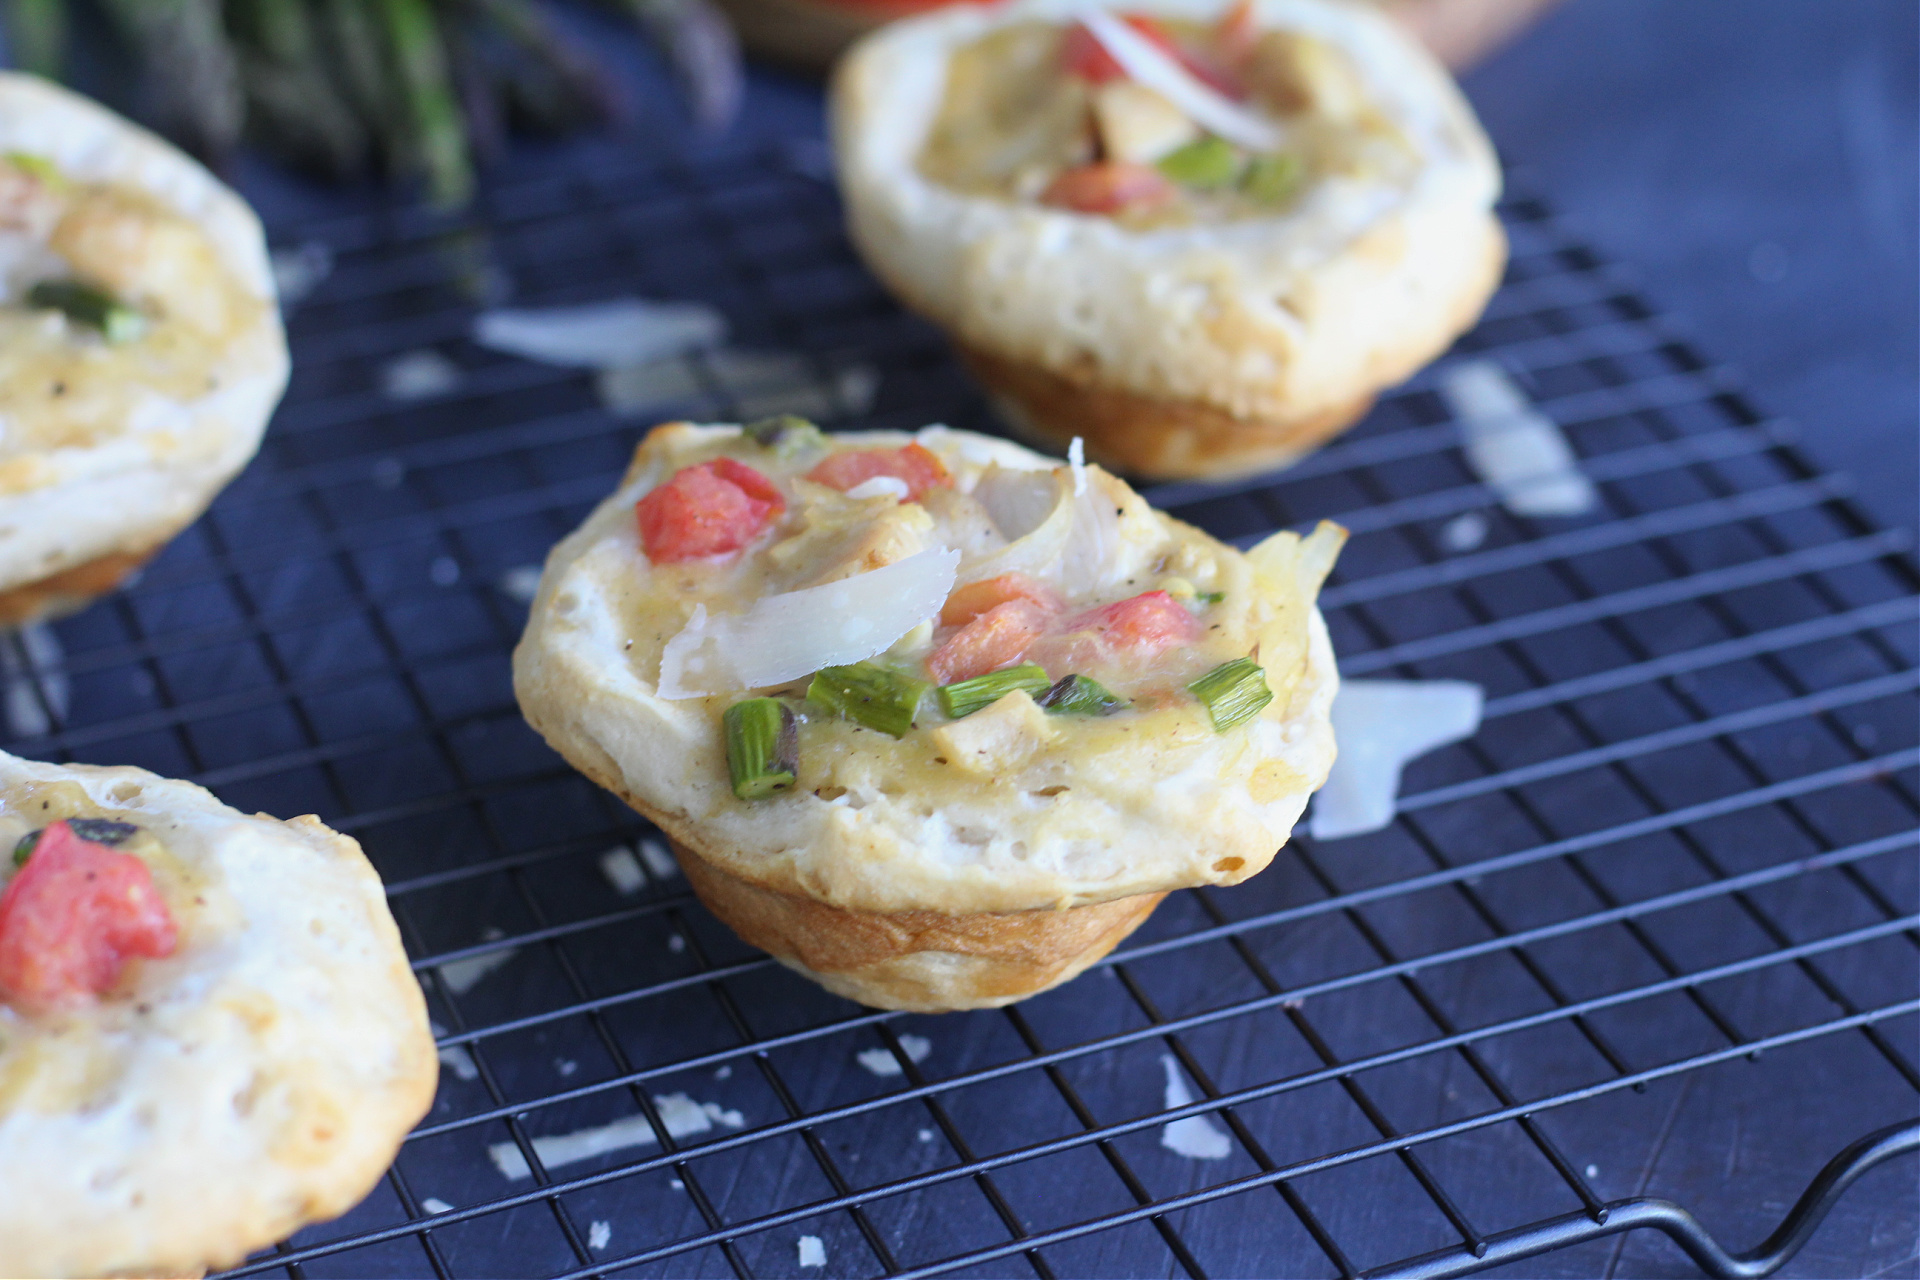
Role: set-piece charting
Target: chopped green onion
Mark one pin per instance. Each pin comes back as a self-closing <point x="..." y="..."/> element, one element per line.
<point x="84" y="304"/>
<point x="1081" y="696"/>
<point x="1209" y="597"/>
<point x="786" y="434"/>
<point x="1233" y="691"/>
<point x="1272" y="179"/>
<point x="24" y="849"/>
<point x="1206" y="162"/>
<point x="964" y="697"/>
<point x="871" y="694"/>
<point x="763" y="747"/>
<point x="102" y="830"/>
<point x="38" y="167"/>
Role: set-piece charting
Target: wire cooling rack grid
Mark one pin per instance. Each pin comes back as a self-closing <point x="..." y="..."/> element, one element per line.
<point x="1650" y="933"/>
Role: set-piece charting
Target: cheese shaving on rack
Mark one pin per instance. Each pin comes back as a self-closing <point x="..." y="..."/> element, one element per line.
<point x="1151" y="67"/>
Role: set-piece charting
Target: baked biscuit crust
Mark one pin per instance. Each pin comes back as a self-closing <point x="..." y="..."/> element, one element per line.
<point x="125" y="494"/>
<point x="259" y="1079"/>
<point x="1260" y="328"/>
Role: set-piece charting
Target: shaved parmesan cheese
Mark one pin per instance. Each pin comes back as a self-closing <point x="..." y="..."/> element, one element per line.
<point x="786" y="636"/>
<point x="660" y="863"/>
<point x="601" y="335"/>
<point x="622" y="871"/>
<point x="682" y="1116"/>
<point x="881" y="487"/>
<point x="813" y="1253"/>
<point x="1512" y="446"/>
<point x="1378" y="726"/>
<point x="1195" y="1137"/>
<point x="881" y="1062"/>
<point x="1150" y="66"/>
<point x="419" y="375"/>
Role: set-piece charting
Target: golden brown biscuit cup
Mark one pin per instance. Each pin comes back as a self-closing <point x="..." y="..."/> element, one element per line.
<point x="1201" y="339"/>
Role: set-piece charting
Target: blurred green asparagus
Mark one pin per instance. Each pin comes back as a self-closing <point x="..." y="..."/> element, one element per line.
<point x="415" y="89"/>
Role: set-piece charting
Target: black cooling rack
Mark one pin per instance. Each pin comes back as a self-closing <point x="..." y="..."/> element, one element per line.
<point x="1643" y="953"/>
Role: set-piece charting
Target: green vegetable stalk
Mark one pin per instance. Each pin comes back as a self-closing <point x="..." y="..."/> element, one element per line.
<point x="964" y="697"/>
<point x="1079" y="695"/>
<point x="763" y="747"/>
<point x="1233" y="692"/>
<point x="870" y="695"/>
<point x="95" y="308"/>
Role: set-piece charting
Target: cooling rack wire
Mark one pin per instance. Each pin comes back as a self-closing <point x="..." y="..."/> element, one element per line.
<point x="1644" y="948"/>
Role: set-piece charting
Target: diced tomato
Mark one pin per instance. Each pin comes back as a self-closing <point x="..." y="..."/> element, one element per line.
<point x="972" y="599"/>
<point x="1107" y="186"/>
<point x="997" y="638"/>
<point x="1141" y="627"/>
<point x="1083" y="55"/>
<point x="1236" y="34"/>
<point x="1146" y="623"/>
<point x="73" y="916"/>
<point x="919" y="467"/>
<point x="708" y="510"/>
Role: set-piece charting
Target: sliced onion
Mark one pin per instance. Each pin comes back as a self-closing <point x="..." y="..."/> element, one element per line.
<point x="786" y="636"/>
<point x="1018" y="501"/>
<point x="1150" y="66"/>
<point x="1093" y="541"/>
<point x="1013" y="502"/>
<point x="1077" y="459"/>
<point x="601" y="335"/>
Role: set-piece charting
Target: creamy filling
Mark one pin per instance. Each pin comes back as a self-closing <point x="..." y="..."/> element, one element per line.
<point x="65" y="383"/>
<point x="1029" y="115"/>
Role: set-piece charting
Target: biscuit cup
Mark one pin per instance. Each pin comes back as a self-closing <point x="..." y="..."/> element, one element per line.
<point x="911" y="848"/>
<point x="1190" y="326"/>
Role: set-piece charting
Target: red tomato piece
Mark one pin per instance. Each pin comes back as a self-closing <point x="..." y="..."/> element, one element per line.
<point x="1107" y="186"/>
<point x="972" y="599"/>
<point x="920" y="468"/>
<point x="73" y="916"/>
<point x="708" y="510"/>
<point x="997" y="638"/>
<point x="1235" y="34"/>
<point x="1127" y="632"/>
<point x="1147" y="623"/>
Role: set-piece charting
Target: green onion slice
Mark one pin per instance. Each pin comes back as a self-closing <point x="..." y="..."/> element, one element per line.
<point x="38" y="167"/>
<point x="84" y="304"/>
<point x="870" y="694"/>
<point x="1233" y="691"/>
<point x="1272" y="180"/>
<point x="763" y="747"/>
<point x="103" y="830"/>
<point x="24" y="849"/>
<point x="964" y="697"/>
<point x="1206" y="162"/>
<point x="786" y="434"/>
<point x="1079" y="695"/>
<point x="1209" y="597"/>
